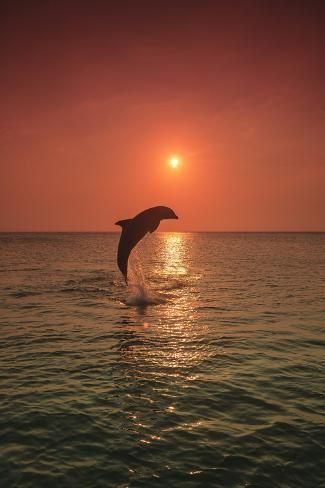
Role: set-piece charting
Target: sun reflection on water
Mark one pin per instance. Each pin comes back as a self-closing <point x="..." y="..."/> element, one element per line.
<point x="162" y="346"/>
<point x="174" y="254"/>
<point x="166" y="337"/>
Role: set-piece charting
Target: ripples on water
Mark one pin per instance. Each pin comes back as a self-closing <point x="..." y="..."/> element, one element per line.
<point x="219" y="382"/>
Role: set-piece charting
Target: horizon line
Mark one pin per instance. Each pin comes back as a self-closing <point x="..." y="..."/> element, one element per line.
<point x="311" y="231"/>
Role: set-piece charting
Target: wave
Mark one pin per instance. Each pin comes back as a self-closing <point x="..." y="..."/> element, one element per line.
<point x="25" y="293"/>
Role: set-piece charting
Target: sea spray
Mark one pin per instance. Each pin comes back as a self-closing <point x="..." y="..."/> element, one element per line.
<point x="139" y="291"/>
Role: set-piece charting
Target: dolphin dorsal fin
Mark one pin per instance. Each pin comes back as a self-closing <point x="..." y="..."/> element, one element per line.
<point x="123" y="223"/>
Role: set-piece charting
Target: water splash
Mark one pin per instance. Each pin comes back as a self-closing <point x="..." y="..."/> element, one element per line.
<point x="139" y="292"/>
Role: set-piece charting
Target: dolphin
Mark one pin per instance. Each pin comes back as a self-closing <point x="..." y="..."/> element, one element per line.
<point x="133" y="230"/>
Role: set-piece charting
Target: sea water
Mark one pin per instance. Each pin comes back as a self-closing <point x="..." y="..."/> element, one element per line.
<point x="207" y="370"/>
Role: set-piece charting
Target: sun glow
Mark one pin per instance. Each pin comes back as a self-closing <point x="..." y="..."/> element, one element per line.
<point x="174" y="162"/>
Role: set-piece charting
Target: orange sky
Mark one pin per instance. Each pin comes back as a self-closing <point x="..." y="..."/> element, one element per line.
<point x="96" y="98"/>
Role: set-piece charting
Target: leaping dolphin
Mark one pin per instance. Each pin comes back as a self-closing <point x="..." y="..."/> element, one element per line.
<point x="133" y="230"/>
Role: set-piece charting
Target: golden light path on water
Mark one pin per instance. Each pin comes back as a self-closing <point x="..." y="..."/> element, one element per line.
<point x="173" y="326"/>
<point x="165" y="344"/>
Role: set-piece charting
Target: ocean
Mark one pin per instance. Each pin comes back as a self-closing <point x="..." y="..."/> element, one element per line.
<point x="208" y="370"/>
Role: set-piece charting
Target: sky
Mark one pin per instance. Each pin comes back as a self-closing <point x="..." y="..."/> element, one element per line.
<point x="97" y="96"/>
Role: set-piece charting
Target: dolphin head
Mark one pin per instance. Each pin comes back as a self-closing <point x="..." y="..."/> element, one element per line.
<point x="166" y="213"/>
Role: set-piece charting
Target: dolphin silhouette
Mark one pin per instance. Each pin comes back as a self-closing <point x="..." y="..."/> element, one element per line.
<point x="133" y="230"/>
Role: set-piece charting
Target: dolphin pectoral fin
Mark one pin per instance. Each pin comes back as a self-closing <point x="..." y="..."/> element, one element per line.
<point x="154" y="227"/>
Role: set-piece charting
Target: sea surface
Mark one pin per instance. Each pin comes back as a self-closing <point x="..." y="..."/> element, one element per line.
<point x="208" y="370"/>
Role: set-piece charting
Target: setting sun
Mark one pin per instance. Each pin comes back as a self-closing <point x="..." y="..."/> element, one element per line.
<point x="174" y="162"/>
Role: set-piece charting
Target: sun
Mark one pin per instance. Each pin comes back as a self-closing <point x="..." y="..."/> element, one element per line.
<point x="174" y="162"/>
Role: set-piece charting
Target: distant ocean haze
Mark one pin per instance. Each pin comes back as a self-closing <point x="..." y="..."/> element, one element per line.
<point x="208" y="370"/>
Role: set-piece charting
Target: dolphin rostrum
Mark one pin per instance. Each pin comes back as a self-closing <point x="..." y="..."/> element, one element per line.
<point x="134" y="229"/>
